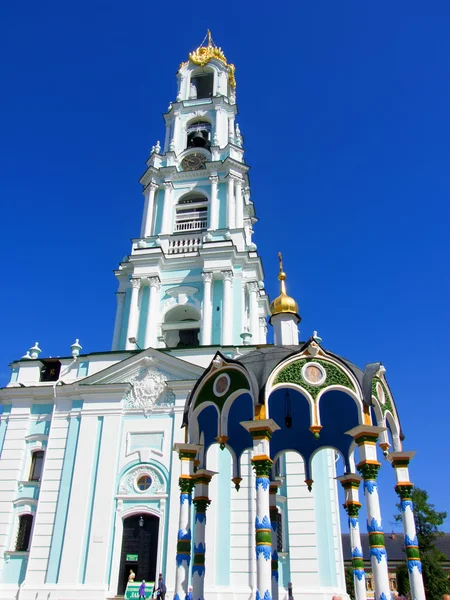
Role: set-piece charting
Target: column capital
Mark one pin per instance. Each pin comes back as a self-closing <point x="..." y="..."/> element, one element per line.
<point x="252" y="286"/>
<point x="135" y="282"/>
<point x="204" y="476"/>
<point x="153" y="185"/>
<point x="365" y="433"/>
<point x="260" y="429"/>
<point x="207" y="276"/>
<point x="400" y="459"/>
<point x="227" y="275"/>
<point x="167" y="185"/>
<point x="274" y="485"/>
<point x="350" y="480"/>
<point x="187" y="449"/>
<point x="369" y="469"/>
<point x="186" y="484"/>
<point x="154" y="281"/>
<point x="214" y="178"/>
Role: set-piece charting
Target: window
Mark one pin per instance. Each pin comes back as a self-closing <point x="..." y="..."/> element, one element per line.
<point x="199" y="135"/>
<point x="279" y="531"/>
<point x="144" y="482"/>
<point x="192" y="213"/>
<point x="36" y="466"/>
<point x="201" y="86"/>
<point x="50" y="370"/>
<point x="24" y="533"/>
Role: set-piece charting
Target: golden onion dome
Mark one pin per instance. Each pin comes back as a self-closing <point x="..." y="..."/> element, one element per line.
<point x="284" y="303"/>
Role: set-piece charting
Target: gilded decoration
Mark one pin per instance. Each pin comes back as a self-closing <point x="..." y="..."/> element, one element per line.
<point x="293" y="373"/>
<point x="204" y="54"/>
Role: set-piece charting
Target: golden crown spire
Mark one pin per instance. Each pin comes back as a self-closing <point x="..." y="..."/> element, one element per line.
<point x="284" y="303"/>
<point x="203" y="54"/>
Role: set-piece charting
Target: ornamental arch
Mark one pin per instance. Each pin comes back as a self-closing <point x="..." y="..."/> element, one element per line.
<point x="304" y="400"/>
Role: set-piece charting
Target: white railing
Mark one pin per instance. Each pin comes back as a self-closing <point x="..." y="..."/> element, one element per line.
<point x="191" y="225"/>
<point x="182" y="244"/>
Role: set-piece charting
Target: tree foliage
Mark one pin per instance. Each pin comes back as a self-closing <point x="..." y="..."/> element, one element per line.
<point x="428" y="520"/>
<point x="402" y="579"/>
<point x="349" y="583"/>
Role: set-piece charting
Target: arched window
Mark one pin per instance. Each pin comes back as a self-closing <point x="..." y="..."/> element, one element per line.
<point x="202" y="85"/>
<point x="199" y="135"/>
<point x="192" y="213"/>
<point x="24" y="533"/>
<point x="280" y="547"/>
<point x="182" y="327"/>
<point x="37" y="461"/>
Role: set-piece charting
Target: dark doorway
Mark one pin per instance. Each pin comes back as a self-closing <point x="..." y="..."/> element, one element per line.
<point x="139" y="549"/>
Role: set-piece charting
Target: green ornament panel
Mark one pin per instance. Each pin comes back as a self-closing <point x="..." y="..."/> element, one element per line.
<point x="292" y="373"/>
<point x="238" y="381"/>
<point x="387" y="406"/>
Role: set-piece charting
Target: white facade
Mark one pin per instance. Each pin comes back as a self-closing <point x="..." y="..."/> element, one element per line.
<point x="107" y="423"/>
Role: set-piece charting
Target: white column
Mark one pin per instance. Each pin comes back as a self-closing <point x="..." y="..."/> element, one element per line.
<point x="214" y="204"/>
<point x="404" y="488"/>
<point x="230" y="202"/>
<point x="352" y="505"/>
<point x="261" y="432"/>
<point x="262" y="330"/>
<point x="147" y="219"/>
<point x="207" y="310"/>
<point x="239" y="224"/>
<point x="166" y="227"/>
<point x="254" y="322"/>
<point x="176" y="132"/>
<point x="227" y="311"/>
<point x="231" y="129"/>
<point x="133" y="316"/>
<point x="153" y="312"/>
<point x="217" y="127"/>
<point x="120" y="296"/>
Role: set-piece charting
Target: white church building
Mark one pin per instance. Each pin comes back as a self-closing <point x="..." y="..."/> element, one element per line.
<point x="89" y="478"/>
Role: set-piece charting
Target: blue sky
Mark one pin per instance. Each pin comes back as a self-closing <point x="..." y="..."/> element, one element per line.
<point x="344" y="107"/>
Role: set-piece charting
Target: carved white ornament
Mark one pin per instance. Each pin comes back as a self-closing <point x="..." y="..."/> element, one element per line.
<point x="148" y="387"/>
<point x="128" y="485"/>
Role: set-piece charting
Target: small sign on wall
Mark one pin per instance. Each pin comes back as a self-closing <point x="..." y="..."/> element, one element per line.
<point x="132" y="557"/>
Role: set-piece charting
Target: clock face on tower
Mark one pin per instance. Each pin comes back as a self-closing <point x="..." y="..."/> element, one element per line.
<point x="193" y="161"/>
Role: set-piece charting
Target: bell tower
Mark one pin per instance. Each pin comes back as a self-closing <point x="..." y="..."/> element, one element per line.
<point x="194" y="276"/>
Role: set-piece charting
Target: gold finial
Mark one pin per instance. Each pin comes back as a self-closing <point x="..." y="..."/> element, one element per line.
<point x="203" y="54"/>
<point x="284" y="303"/>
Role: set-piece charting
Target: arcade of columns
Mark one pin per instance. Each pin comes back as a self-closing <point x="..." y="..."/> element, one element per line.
<point x="365" y="437"/>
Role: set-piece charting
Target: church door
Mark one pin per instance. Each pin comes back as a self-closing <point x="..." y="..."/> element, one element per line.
<point x="139" y="549"/>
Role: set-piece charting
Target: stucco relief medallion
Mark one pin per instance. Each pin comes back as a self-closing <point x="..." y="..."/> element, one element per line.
<point x="148" y="387"/>
<point x="129" y="484"/>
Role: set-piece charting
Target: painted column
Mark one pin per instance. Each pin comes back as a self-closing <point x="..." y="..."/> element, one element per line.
<point x="187" y="454"/>
<point x="147" y="220"/>
<point x="207" y="309"/>
<point x="366" y="436"/>
<point x="201" y="501"/>
<point x="230" y="202"/>
<point x="400" y="462"/>
<point x="227" y="311"/>
<point x="153" y="312"/>
<point x="239" y="205"/>
<point x="273" y="490"/>
<point x="253" y="302"/>
<point x="352" y="505"/>
<point x="133" y="317"/>
<point x="261" y="432"/>
<point x="166" y="227"/>
<point x="118" y="322"/>
<point x="214" y="204"/>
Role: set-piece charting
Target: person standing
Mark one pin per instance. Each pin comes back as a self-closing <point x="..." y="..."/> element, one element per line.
<point x="161" y="589"/>
<point x="142" y="590"/>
